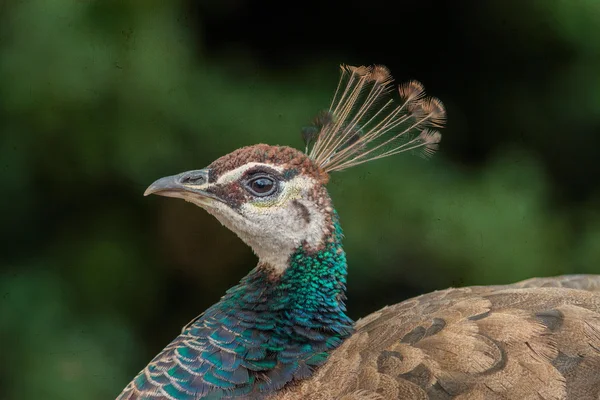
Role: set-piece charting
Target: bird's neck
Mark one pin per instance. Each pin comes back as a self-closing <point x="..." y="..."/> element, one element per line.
<point x="284" y="326"/>
<point x="308" y="294"/>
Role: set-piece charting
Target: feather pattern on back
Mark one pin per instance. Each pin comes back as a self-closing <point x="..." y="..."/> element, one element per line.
<point x="536" y="339"/>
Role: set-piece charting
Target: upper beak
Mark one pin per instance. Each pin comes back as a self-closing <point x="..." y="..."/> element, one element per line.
<point x="182" y="185"/>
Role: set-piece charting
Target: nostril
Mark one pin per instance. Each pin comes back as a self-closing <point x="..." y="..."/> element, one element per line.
<point x="194" y="178"/>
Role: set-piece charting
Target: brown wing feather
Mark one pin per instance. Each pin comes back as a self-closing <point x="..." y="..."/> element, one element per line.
<point x="536" y="339"/>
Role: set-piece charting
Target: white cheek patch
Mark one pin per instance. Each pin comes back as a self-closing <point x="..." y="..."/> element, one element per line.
<point x="235" y="174"/>
<point x="278" y="228"/>
<point x="287" y="191"/>
<point x="274" y="228"/>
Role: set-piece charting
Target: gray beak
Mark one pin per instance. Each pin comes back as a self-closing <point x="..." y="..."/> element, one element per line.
<point x="182" y="185"/>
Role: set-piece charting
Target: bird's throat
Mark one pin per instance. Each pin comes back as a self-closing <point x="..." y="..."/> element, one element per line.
<point x="312" y="286"/>
<point x="283" y="327"/>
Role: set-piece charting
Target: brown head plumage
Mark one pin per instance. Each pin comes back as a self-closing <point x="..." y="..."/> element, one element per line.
<point x="287" y="157"/>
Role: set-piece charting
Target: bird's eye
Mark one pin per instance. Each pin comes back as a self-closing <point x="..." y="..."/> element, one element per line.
<point x="261" y="186"/>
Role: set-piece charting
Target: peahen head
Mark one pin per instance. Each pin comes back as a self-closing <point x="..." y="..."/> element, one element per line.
<point x="272" y="197"/>
<point x="284" y="318"/>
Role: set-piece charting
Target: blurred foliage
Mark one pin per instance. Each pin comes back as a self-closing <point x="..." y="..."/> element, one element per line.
<point x="98" y="99"/>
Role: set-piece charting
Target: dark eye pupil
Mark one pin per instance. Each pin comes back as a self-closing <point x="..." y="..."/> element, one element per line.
<point x="262" y="185"/>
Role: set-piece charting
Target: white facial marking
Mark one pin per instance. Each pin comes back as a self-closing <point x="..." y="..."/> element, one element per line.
<point x="237" y="173"/>
<point x="231" y="176"/>
<point x="282" y="226"/>
<point x="273" y="227"/>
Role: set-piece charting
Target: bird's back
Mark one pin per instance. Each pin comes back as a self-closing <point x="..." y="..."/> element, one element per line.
<point x="536" y="339"/>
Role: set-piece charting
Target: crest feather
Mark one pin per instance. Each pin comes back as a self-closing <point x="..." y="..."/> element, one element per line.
<point x="363" y="123"/>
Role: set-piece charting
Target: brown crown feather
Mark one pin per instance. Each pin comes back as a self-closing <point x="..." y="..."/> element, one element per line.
<point x="287" y="157"/>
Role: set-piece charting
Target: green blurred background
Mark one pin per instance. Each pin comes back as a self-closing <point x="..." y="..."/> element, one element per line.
<point x="100" y="98"/>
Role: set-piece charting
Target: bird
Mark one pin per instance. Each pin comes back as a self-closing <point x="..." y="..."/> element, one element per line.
<point x="283" y="332"/>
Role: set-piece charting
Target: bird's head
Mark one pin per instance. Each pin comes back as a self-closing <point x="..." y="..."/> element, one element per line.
<point x="274" y="197"/>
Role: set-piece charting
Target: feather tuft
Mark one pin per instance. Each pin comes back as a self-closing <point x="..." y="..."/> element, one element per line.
<point x="363" y="123"/>
<point x="309" y="134"/>
<point x="432" y="110"/>
<point x="411" y="90"/>
<point x="360" y="71"/>
<point x="381" y="74"/>
<point x="430" y="140"/>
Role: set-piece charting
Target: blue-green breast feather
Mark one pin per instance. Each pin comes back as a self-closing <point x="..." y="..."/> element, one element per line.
<point x="263" y="334"/>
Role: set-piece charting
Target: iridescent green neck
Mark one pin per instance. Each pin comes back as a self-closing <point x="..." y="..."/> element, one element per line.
<point x="313" y="283"/>
<point x="280" y="328"/>
<point x="266" y="332"/>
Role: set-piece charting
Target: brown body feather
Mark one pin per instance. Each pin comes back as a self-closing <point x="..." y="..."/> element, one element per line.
<point x="536" y="339"/>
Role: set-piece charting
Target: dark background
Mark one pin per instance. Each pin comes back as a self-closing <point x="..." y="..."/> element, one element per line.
<point x="100" y="98"/>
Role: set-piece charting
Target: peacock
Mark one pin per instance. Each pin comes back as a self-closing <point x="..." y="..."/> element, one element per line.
<point x="283" y="332"/>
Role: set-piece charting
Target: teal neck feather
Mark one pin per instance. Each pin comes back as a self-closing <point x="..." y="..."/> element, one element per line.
<point x="265" y="332"/>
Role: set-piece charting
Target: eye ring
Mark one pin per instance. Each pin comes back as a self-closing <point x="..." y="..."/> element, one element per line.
<point x="261" y="186"/>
